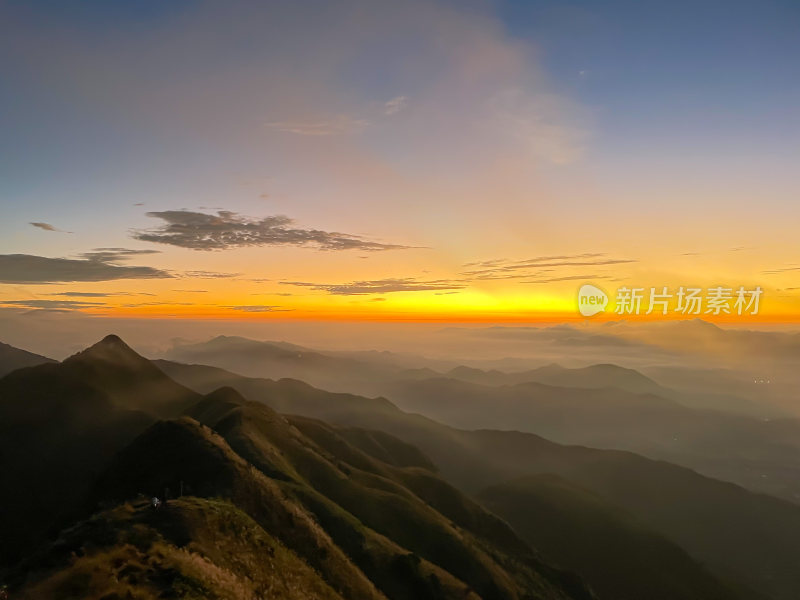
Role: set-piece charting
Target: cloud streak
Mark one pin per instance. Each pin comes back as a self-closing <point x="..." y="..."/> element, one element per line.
<point x="380" y="286"/>
<point x="338" y="125"/>
<point x="507" y="269"/>
<point x="568" y="278"/>
<point x="115" y="255"/>
<point x="259" y="308"/>
<point x="51" y="304"/>
<point x="210" y="275"/>
<point x="227" y="230"/>
<point x="27" y="268"/>
<point x="47" y="227"/>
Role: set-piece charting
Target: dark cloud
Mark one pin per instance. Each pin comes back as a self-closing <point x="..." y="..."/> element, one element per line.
<point x="533" y="267"/>
<point x="99" y="294"/>
<point x="156" y="303"/>
<point x="26" y="268"/>
<point x="115" y="255"/>
<point x="380" y="286"/>
<point x="201" y="231"/>
<point x="84" y="294"/>
<point x="45" y="226"/>
<point x="51" y="304"/>
<point x="48" y="227"/>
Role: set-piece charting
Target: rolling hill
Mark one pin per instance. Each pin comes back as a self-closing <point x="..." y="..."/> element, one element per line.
<point x="370" y="516"/>
<point x="744" y="537"/>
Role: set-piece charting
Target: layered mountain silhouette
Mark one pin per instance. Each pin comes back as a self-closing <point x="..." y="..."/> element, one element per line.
<point x="715" y="522"/>
<point x="281" y="360"/>
<point x="369" y="372"/>
<point x="351" y="498"/>
<point x="59" y="425"/>
<point x="12" y="358"/>
<point x="616" y="554"/>
<point x="602" y="405"/>
<point x="763" y="455"/>
<point x="371" y="517"/>
<point x="593" y="376"/>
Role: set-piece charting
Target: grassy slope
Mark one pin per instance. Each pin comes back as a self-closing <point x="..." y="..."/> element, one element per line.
<point x="337" y="481"/>
<point x="194" y="548"/>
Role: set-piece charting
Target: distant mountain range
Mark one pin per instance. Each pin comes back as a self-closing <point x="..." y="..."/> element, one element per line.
<point x="12" y="358"/>
<point x="693" y="511"/>
<point x="601" y="405"/>
<point x="352" y="498"/>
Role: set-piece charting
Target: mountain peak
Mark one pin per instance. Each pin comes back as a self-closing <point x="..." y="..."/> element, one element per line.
<point x="113" y="341"/>
<point x="112" y="338"/>
<point x="110" y="349"/>
<point x="129" y="379"/>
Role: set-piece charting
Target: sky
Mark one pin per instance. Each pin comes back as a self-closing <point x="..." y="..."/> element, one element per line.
<point x="423" y="161"/>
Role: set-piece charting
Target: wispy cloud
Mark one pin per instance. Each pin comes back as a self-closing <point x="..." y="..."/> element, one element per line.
<point x="338" y="125"/>
<point x="99" y="294"/>
<point x="48" y="227"/>
<point x="51" y="304"/>
<point x="533" y="267"/>
<point x="27" y="268"/>
<point x="225" y="230"/>
<point x="591" y="277"/>
<point x="258" y="308"/>
<point x="781" y="270"/>
<point x="115" y="255"/>
<point x="395" y="105"/>
<point x="380" y="286"/>
<point x="209" y="275"/>
<point x="84" y="294"/>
